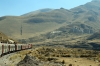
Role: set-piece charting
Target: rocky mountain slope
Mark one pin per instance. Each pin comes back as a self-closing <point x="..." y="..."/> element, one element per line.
<point x="94" y="36"/>
<point x="5" y="39"/>
<point x="47" y="20"/>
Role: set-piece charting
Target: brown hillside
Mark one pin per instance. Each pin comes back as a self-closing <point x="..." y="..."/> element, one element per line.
<point x="47" y="20"/>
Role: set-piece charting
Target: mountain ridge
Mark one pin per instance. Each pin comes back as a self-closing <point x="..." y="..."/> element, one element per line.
<point x="37" y="12"/>
<point x="51" y="19"/>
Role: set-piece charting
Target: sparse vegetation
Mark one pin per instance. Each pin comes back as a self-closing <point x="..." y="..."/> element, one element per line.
<point x="56" y="54"/>
<point x="60" y="36"/>
<point x="49" y="20"/>
<point x="94" y="36"/>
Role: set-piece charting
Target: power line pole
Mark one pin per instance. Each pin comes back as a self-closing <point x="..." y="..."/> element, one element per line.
<point x="21" y="30"/>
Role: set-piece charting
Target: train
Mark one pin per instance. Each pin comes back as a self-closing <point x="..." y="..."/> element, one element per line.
<point x="10" y="48"/>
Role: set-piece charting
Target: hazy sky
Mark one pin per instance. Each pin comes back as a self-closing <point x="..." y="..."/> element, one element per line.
<point x="19" y="7"/>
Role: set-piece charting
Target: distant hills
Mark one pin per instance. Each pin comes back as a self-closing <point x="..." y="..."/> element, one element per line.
<point x="37" y="12"/>
<point x="88" y="13"/>
<point x="82" y="18"/>
<point x="58" y="16"/>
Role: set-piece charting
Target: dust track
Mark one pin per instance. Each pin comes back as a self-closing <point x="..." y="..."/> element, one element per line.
<point x="4" y="60"/>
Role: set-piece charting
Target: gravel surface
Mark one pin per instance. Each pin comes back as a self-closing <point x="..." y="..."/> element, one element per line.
<point x="4" y="60"/>
<point x="7" y="61"/>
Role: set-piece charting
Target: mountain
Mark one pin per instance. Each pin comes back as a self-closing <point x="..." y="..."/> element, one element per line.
<point x="66" y="33"/>
<point x="47" y="20"/>
<point x="37" y="12"/>
<point x="57" y="15"/>
<point x="88" y="13"/>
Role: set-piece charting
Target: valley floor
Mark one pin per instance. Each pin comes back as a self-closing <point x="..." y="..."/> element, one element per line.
<point x="80" y="62"/>
<point x="14" y="58"/>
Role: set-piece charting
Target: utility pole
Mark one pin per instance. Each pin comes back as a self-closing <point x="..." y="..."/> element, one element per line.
<point x="21" y="30"/>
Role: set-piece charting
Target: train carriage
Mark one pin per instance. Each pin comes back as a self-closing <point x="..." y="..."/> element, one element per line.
<point x="0" y="49"/>
<point x="7" y="48"/>
<point x="11" y="47"/>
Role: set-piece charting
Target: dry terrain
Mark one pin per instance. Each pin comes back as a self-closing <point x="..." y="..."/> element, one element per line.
<point x="62" y="55"/>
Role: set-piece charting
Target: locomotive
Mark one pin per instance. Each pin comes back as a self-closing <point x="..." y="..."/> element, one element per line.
<point x="9" y="48"/>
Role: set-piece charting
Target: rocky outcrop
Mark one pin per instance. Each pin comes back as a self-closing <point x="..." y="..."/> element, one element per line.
<point x="77" y="28"/>
<point x="94" y="36"/>
<point x="32" y="61"/>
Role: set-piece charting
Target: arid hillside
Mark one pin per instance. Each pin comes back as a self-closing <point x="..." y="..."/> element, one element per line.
<point x="48" y="20"/>
<point x="5" y="39"/>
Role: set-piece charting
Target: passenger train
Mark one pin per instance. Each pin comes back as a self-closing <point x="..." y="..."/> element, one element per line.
<point x="9" y="48"/>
